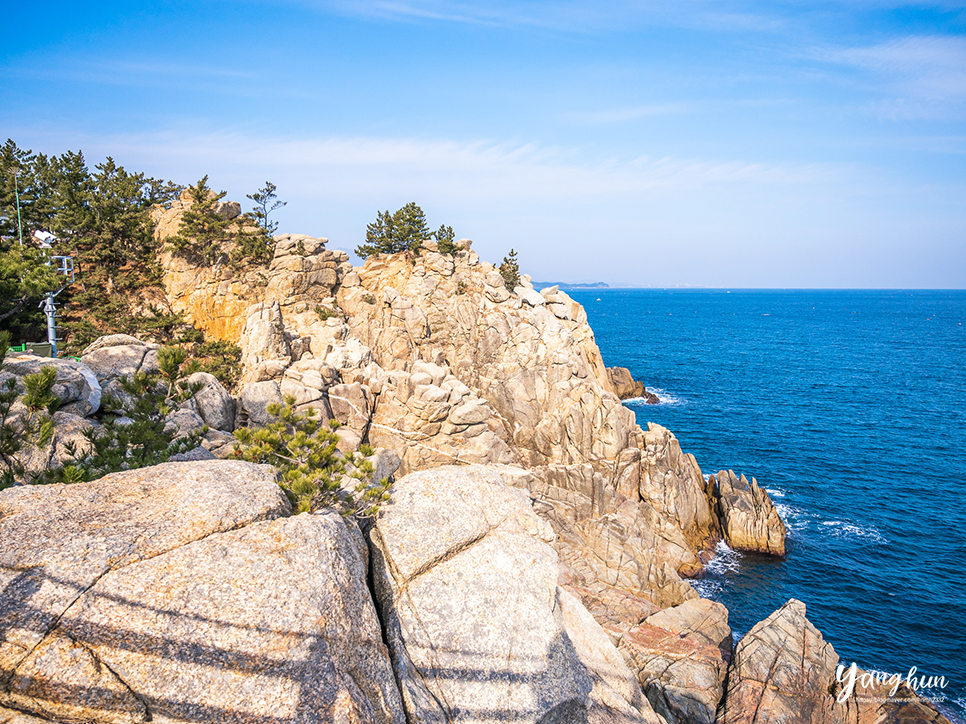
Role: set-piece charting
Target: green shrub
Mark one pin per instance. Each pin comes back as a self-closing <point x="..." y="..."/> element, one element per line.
<point x="311" y="469"/>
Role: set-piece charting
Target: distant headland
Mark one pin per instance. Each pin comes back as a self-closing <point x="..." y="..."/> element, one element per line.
<point x="565" y="285"/>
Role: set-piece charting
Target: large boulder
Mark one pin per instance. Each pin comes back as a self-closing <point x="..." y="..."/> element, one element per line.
<point x="624" y="383"/>
<point x="749" y="520"/>
<point x="212" y="401"/>
<point x="784" y="671"/>
<point x="68" y="435"/>
<point x="76" y="385"/>
<point x="120" y="360"/>
<point x="252" y="405"/>
<point x="466" y="583"/>
<point x="681" y="657"/>
<point x="177" y="594"/>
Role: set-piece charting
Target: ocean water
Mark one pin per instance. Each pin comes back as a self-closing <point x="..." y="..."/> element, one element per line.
<point x="848" y="407"/>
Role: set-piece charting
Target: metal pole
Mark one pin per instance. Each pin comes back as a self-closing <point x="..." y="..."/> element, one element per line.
<point x="16" y="192"/>
<point x="51" y="311"/>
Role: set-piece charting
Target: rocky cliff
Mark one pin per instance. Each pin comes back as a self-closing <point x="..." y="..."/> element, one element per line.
<point x="431" y="356"/>
<point x="532" y="565"/>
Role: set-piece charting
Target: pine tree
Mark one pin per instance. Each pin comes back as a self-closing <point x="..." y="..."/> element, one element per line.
<point x="510" y="270"/>
<point x="265" y="203"/>
<point x="404" y="230"/>
<point x="444" y="240"/>
<point x="410" y="227"/>
<point x="204" y="231"/>
<point x="24" y="274"/>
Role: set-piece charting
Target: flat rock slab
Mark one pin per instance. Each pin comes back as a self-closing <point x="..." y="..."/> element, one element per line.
<point x="56" y="541"/>
<point x="178" y="594"/>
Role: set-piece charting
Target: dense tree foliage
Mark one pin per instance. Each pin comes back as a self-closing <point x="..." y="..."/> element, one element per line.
<point x="312" y="471"/>
<point x="101" y="218"/>
<point x="210" y="233"/>
<point x="404" y="230"/>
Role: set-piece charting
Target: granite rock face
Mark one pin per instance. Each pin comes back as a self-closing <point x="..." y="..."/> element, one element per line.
<point x="624" y="384"/>
<point x="782" y="671"/>
<point x="749" y="519"/>
<point x="212" y="402"/>
<point x="478" y="629"/>
<point x="178" y="594"/>
<point x="430" y="355"/>
<point x="681" y="657"/>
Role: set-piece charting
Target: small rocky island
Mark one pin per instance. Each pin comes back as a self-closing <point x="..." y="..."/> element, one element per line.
<point x="532" y="563"/>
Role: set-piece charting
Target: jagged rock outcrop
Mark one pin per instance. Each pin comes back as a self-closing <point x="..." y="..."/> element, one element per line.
<point x="784" y="670"/>
<point x="178" y="593"/>
<point x="672" y="483"/>
<point x="432" y="356"/>
<point x="627" y="388"/>
<point x="749" y="520"/>
<point x="681" y="657"/>
<point x="477" y="627"/>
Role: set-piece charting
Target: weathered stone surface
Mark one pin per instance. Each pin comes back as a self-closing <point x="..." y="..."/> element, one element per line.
<point x="68" y="430"/>
<point x="76" y="385"/>
<point x="253" y="403"/>
<point x="749" y="519"/>
<point x="681" y="657"/>
<point x="265" y="348"/>
<point x="212" y="402"/>
<point x="182" y="422"/>
<point x="782" y="671"/>
<point x="169" y="594"/>
<point x="624" y="384"/>
<point x="125" y="360"/>
<point x="672" y="483"/>
<point x="11" y="716"/>
<point x="56" y="541"/>
<point x="114" y="340"/>
<point x="467" y="589"/>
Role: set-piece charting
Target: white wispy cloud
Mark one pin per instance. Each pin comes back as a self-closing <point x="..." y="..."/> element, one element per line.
<point x="622" y="115"/>
<point x="572" y="16"/>
<point x="128" y="72"/>
<point x="920" y="76"/>
<point x="457" y="169"/>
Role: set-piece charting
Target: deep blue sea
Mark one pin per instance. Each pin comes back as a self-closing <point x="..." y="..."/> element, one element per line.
<point x="848" y="407"/>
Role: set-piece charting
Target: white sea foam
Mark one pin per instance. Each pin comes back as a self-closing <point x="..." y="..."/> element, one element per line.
<point x="666" y="398"/>
<point x="775" y="492"/>
<point x="795" y="518"/>
<point x="847" y="529"/>
<point x="725" y="560"/>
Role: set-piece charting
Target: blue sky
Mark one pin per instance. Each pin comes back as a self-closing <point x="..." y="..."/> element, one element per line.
<point x="702" y="142"/>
